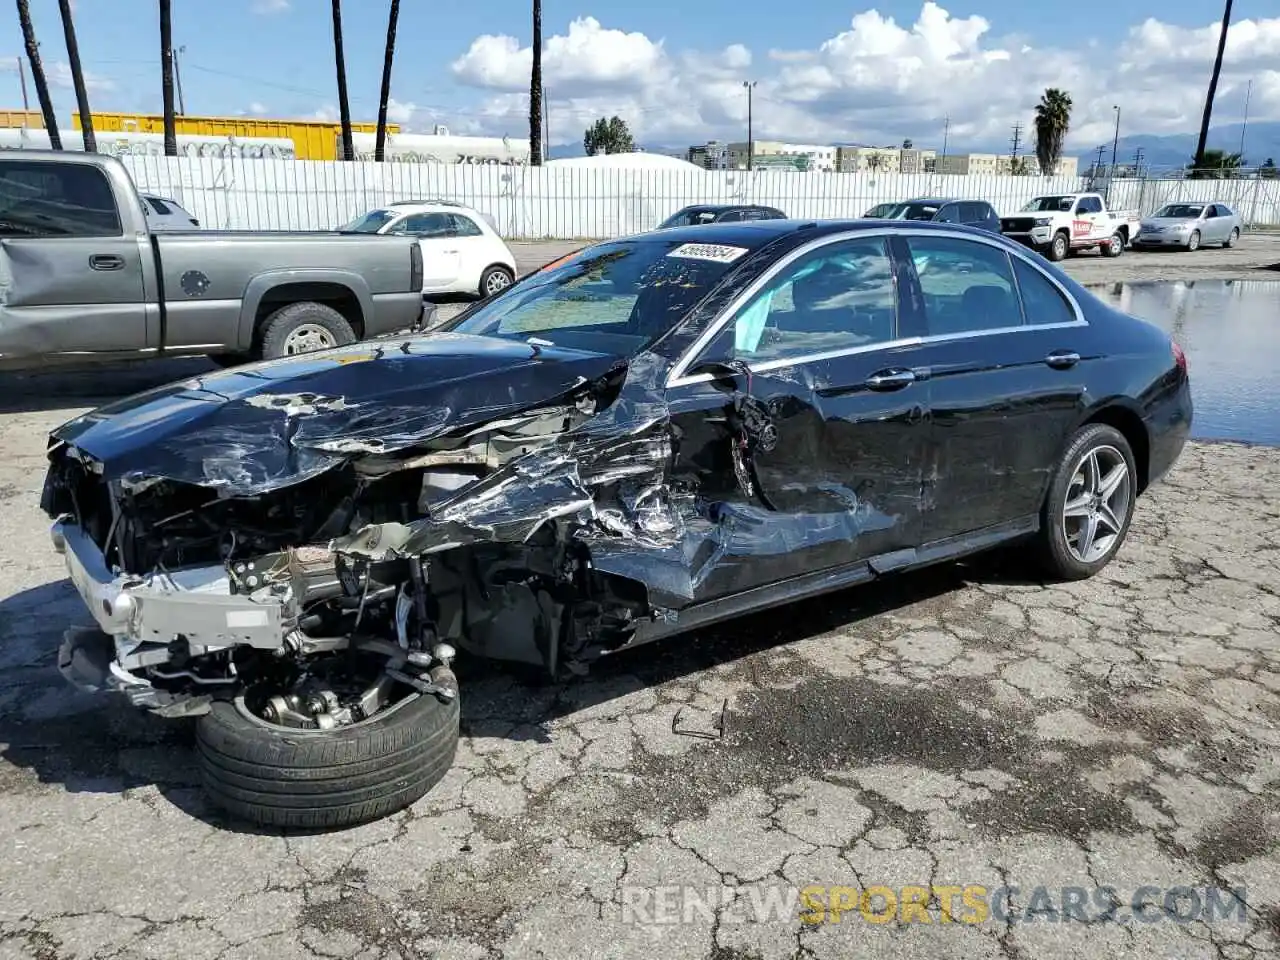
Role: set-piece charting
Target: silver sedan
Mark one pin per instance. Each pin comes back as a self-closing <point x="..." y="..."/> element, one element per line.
<point x="1189" y="226"/>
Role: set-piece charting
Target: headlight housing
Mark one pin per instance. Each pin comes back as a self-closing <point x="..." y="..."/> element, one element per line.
<point x="1044" y="221"/>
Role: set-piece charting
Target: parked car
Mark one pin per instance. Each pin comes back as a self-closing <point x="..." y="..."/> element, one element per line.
<point x="88" y="279"/>
<point x="165" y="214"/>
<point x="1063" y="223"/>
<point x="1189" y="226"/>
<point x="969" y="213"/>
<point x="720" y="213"/>
<point x="462" y="252"/>
<point x="650" y="435"/>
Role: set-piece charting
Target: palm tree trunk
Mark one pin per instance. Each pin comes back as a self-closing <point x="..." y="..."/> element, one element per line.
<point x="77" y="77"/>
<point x="387" y="57"/>
<point x="344" y="108"/>
<point x="166" y="79"/>
<point x="535" y="90"/>
<point x="37" y="75"/>
<point x="1213" y="87"/>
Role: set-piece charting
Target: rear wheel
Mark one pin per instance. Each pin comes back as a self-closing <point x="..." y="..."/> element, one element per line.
<point x="1231" y="240"/>
<point x="1115" y="246"/>
<point x="303" y="328"/>
<point x="1193" y="241"/>
<point x="1087" y="512"/>
<point x="494" y="280"/>
<point x="1059" y="248"/>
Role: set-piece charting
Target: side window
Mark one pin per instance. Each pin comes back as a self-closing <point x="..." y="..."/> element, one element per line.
<point x="465" y="226"/>
<point x="730" y="216"/>
<point x="56" y="200"/>
<point x="950" y="213"/>
<point x="1091" y="205"/>
<point x="159" y="206"/>
<point x="968" y="286"/>
<point x="837" y="298"/>
<point x="424" y="225"/>
<point x="1042" y="302"/>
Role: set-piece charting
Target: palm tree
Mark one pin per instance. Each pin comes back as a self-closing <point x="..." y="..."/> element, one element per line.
<point x="1053" y="119"/>
<point x="535" y="90"/>
<point x="1213" y="87"/>
<point x="77" y="77"/>
<point x="1215" y="165"/>
<point x="37" y="75"/>
<point x="344" y="108"/>
<point x="387" y="57"/>
<point x="166" y="79"/>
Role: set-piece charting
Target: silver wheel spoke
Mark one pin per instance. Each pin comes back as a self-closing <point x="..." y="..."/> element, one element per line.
<point x="1088" y="533"/>
<point x="1108" y="484"/>
<point x="1079" y="507"/>
<point x="1107" y="517"/>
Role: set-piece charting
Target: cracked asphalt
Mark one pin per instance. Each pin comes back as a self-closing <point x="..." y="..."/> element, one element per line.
<point x="958" y="727"/>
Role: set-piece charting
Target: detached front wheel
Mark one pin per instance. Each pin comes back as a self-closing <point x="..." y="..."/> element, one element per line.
<point x="280" y="776"/>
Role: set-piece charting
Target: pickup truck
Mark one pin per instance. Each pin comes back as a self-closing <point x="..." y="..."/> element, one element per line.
<point x="83" y="278"/>
<point x="1063" y="223"/>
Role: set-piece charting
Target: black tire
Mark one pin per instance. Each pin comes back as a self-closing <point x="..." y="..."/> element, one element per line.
<point x="1193" y="241"/>
<point x="1115" y="246"/>
<point x="277" y="328"/>
<point x="1054" y="552"/>
<point x="1231" y="240"/>
<point x="281" y="777"/>
<point x="495" y="273"/>
<point x="1059" y="247"/>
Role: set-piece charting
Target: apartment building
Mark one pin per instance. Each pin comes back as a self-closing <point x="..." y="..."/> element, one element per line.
<point x="714" y="155"/>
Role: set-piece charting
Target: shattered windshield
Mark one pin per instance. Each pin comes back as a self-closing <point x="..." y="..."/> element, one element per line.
<point x="613" y="298"/>
<point x="371" y="222"/>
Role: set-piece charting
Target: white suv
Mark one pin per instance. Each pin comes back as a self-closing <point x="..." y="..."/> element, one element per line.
<point x="461" y="250"/>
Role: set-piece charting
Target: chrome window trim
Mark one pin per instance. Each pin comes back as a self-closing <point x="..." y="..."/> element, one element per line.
<point x="677" y="377"/>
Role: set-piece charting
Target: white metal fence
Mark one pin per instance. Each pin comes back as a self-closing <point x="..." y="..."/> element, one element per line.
<point x="534" y="203"/>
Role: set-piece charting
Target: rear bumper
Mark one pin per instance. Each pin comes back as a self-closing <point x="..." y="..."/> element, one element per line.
<point x="1169" y="429"/>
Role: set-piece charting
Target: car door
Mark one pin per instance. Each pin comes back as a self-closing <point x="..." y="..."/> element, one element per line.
<point x="948" y="213"/>
<point x="1214" y="228"/>
<point x="1005" y="355"/>
<point x="71" y="279"/>
<point x="1088" y="222"/>
<point x="810" y="455"/>
<point x="441" y="261"/>
<point x="475" y="248"/>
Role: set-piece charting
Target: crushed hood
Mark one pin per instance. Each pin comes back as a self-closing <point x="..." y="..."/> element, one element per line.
<point x="267" y="425"/>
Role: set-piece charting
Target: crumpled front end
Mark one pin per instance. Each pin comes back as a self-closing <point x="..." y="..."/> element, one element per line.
<point x="478" y="536"/>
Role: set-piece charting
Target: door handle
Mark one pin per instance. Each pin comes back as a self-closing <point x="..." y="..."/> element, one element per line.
<point x="106" y="261"/>
<point x="1062" y="359"/>
<point x="890" y="379"/>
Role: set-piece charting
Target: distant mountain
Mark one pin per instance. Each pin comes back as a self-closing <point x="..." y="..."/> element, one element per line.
<point x="1262" y="141"/>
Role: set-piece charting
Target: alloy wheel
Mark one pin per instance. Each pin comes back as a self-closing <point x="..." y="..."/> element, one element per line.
<point x="1097" y="504"/>
<point x="496" y="282"/>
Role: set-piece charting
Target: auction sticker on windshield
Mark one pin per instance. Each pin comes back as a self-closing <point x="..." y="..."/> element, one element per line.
<point x="715" y="252"/>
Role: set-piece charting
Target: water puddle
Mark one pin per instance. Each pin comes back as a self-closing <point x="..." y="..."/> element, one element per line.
<point x="1230" y="330"/>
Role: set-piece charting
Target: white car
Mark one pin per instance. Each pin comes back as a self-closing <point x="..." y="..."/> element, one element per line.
<point x="461" y="250"/>
<point x="165" y="214"/>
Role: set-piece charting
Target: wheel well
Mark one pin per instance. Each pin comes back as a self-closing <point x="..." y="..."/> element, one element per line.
<point x="1135" y="431"/>
<point x="502" y="265"/>
<point x="1123" y="230"/>
<point x="334" y="295"/>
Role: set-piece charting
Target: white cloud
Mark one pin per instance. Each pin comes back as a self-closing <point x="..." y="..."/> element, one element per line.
<point x="398" y="112"/>
<point x="267" y="7"/>
<point x="258" y="108"/>
<point x="58" y="73"/>
<point x="877" y="81"/>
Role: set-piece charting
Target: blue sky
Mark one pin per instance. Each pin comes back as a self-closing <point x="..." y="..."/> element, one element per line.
<point x="673" y="68"/>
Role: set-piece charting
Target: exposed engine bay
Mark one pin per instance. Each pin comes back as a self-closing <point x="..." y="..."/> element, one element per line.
<point x="320" y="601"/>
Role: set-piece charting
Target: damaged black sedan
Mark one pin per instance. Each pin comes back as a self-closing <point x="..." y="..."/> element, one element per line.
<point x="649" y="435"/>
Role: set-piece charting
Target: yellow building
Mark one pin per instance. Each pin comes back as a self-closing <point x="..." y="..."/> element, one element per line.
<point x="31" y="119"/>
<point x="312" y="139"/>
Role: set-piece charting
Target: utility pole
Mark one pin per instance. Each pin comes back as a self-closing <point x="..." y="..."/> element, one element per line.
<point x="751" y="144"/>
<point x="1097" y="164"/>
<point x="1115" y="142"/>
<point x="946" y="131"/>
<point x="1015" y="140"/>
<point x="22" y="79"/>
<point x="1137" y="162"/>
<point x="177" y="80"/>
<point x="1245" y="128"/>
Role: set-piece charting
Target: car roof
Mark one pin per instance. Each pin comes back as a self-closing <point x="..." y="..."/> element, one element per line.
<point x="755" y="234"/>
<point x="427" y="206"/>
<point x="725" y="206"/>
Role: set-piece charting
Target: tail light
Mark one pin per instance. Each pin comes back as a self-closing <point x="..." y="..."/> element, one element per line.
<point x="1179" y="356"/>
<point x="415" y="267"/>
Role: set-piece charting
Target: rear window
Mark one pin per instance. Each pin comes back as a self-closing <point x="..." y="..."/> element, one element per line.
<point x="690" y="217"/>
<point x="159" y="206"/>
<point x="43" y="199"/>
